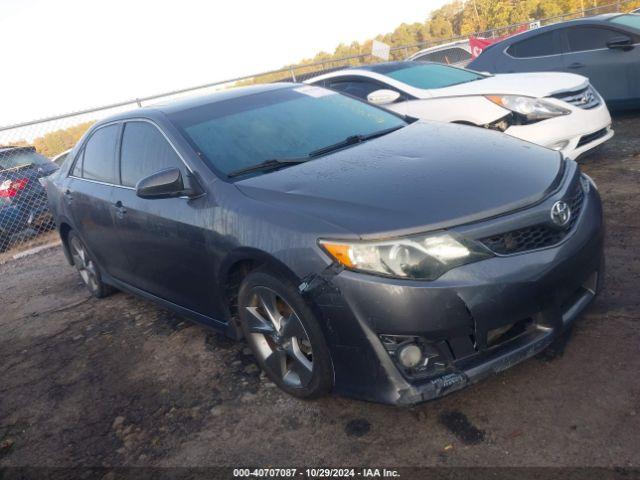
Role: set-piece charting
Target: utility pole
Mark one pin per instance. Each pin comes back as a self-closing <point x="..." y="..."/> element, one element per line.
<point x="475" y="8"/>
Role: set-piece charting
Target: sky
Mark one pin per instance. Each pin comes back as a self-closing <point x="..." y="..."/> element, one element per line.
<point x="60" y="56"/>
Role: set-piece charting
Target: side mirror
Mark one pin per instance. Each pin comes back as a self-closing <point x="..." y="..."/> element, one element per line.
<point x="621" y="43"/>
<point x="167" y="183"/>
<point x="383" y="96"/>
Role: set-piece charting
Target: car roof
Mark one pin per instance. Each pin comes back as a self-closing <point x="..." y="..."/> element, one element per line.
<point x="15" y="148"/>
<point x="602" y="19"/>
<point x="196" y="101"/>
<point x="444" y="46"/>
<point x="385" y="67"/>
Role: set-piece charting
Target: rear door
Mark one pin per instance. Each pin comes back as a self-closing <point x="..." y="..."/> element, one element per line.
<point x="609" y="70"/>
<point x="537" y="53"/>
<point x="164" y="240"/>
<point x="88" y="197"/>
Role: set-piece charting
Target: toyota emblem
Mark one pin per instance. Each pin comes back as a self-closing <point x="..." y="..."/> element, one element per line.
<point x="560" y="213"/>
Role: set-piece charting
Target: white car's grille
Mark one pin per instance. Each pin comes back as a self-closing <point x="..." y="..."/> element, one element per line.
<point x="586" y="98"/>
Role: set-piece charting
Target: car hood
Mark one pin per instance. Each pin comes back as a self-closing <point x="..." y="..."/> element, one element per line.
<point x="541" y="84"/>
<point x="425" y="176"/>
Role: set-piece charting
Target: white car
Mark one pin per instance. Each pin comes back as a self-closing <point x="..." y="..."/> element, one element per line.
<point x="454" y="53"/>
<point x="561" y="111"/>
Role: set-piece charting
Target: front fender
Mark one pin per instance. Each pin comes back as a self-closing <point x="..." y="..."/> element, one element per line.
<point x="476" y="110"/>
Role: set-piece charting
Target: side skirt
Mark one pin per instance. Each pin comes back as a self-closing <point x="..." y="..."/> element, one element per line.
<point x="218" y="325"/>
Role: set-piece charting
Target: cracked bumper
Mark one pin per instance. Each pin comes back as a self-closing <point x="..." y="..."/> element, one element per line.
<point x="550" y="288"/>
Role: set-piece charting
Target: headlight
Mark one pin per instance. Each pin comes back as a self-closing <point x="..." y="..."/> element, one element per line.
<point x="424" y="257"/>
<point x="533" y="109"/>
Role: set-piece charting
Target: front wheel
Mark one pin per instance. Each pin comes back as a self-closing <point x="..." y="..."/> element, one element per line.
<point x="284" y="335"/>
<point x="87" y="268"/>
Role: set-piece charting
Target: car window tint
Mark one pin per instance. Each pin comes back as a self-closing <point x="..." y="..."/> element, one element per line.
<point x="279" y="124"/>
<point x="432" y="75"/>
<point x="144" y="152"/>
<point x="537" y="46"/>
<point x="631" y="20"/>
<point x="356" y="88"/>
<point x="589" y="38"/>
<point x="99" y="155"/>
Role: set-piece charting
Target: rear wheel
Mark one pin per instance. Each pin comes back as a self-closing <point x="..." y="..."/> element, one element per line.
<point x="87" y="268"/>
<point x="284" y="336"/>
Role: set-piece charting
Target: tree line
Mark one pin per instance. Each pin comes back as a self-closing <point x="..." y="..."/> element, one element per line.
<point x="458" y="18"/>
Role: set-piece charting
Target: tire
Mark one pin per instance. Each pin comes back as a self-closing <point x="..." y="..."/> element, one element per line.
<point x="87" y="267"/>
<point x="286" y="338"/>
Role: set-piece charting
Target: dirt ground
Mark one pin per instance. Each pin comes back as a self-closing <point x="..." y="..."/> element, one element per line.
<point x="121" y="381"/>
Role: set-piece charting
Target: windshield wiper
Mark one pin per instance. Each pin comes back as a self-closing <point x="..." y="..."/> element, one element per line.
<point x="275" y="163"/>
<point x="353" y="140"/>
<point x="272" y="164"/>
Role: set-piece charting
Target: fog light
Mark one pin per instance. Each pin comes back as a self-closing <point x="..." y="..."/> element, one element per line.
<point x="559" y="145"/>
<point x="410" y="355"/>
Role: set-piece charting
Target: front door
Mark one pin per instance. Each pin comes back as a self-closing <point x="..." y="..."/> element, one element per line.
<point x="609" y="70"/>
<point x="164" y="239"/>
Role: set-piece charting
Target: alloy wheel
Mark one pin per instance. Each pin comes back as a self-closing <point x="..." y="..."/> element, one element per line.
<point x="279" y="338"/>
<point x="85" y="266"/>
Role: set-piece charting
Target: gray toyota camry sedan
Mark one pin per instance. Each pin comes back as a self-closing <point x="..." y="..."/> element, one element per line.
<point x="355" y="250"/>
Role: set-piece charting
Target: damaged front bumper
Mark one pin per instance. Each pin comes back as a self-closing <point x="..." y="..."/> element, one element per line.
<point x="540" y="292"/>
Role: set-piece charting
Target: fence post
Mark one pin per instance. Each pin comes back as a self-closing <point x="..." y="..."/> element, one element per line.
<point x="293" y="75"/>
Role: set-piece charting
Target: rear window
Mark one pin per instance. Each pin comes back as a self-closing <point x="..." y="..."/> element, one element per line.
<point x="538" y="46"/>
<point x="433" y="75"/>
<point x="631" y="20"/>
<point x="20" y="158"/>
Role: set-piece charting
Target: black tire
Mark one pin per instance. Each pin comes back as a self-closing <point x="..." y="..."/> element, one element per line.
<point x="87" y="267"/>
<point x="314" y="382"/>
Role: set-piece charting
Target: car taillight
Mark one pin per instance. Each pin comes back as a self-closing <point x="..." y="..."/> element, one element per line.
<point x="10" y="188"/>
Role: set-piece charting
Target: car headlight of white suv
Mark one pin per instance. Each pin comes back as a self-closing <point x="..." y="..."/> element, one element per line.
<point x="532" y="109"/>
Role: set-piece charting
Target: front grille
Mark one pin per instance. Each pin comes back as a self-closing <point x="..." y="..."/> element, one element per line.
<point x="585" y="139"/>
<point x="536" y="236"/>
<point x="585" y="98"/>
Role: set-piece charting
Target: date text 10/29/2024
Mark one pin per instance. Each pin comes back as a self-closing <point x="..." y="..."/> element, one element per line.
<point x="315" y="473"/>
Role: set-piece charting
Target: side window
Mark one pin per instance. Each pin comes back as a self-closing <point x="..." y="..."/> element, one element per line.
<point x="589" y="38"/>
<point x="538" y="46"/>
<point x="144" y="152"/>
<point x="99" y="155"/>
<point x="357" y="88"/>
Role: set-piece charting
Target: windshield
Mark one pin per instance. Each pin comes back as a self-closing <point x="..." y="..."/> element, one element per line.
<point x="277" y="125"/>
<point x="18" y="158"/>
<point x="631" y="20"/>
<point x="433" y="75"/>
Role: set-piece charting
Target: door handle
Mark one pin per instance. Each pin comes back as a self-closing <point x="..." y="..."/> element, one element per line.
<point x="576" y="65"/>
<point x="120" y="210"/>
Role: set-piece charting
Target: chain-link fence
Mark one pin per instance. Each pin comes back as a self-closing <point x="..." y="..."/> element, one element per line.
<point x="32" y="150"/>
